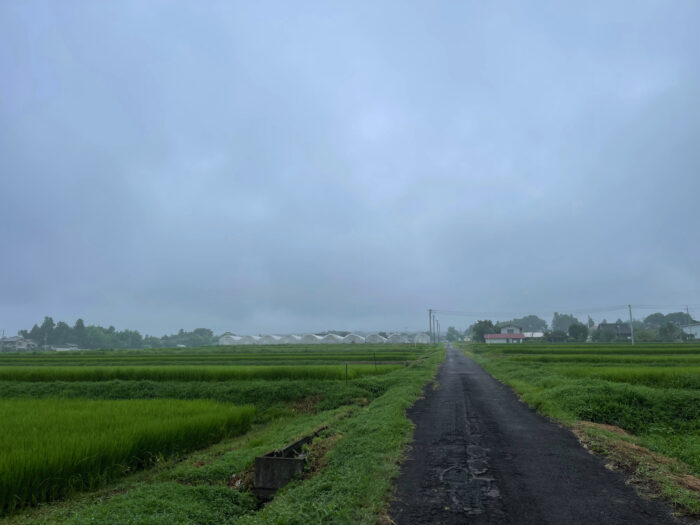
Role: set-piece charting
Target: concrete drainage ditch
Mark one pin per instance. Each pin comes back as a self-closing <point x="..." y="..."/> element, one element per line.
<point x="277" y="468"/>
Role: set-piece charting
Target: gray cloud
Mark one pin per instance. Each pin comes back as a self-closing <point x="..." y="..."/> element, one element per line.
<point x="279" y="167"/>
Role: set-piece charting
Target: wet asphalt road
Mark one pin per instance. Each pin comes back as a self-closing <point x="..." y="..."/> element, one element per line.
<point x="481" y="456"/>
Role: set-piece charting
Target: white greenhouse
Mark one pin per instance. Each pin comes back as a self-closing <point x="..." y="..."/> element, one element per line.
<point x="229" y="339"/>
<point x="353" y="338"/>
<point x="422" y="339"/>
<point x="310" y="339"/>
<point x="249" y="340"/>
<point x="331" y="339"/>
<point x="375" y="338"/>
<point x="269" y="340"/>
<point x="397" y="338"/>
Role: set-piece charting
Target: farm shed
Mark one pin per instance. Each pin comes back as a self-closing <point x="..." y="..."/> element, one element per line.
<point x="353" y="338"/>
<point x="375" y="338"/>
<point x="503" y="338"/>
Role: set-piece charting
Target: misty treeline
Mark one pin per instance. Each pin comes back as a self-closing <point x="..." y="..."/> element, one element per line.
<point x="566" y="327"/>
<point x="57" y="334"/>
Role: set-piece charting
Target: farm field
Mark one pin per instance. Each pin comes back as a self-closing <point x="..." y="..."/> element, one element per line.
<point x="128" y="437"/>
<point x="644" y="395"/>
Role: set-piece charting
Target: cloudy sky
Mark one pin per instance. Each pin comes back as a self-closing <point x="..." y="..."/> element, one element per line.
<point x="298" y="166"/>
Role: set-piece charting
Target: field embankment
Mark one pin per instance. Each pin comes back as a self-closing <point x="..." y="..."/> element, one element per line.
<point x="645" y="395"/>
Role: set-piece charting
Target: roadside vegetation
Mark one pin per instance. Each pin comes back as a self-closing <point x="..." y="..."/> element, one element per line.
<point x="647" y="396"/>
<point x="352" y="462"/>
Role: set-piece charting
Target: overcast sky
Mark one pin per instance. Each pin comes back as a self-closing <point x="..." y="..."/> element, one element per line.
<point x="302" y="166"/>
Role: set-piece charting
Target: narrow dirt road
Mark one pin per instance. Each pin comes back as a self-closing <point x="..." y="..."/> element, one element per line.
<point x="482" y="456"/>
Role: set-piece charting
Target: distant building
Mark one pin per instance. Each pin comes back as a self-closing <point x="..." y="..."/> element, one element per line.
<point x="533" y="335"/>
<point x="509" y="334"/>
<point x="16" y="343"/>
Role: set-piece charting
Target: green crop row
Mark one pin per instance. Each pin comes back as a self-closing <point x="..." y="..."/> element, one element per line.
<point x="607" y="359"/>
<point x="189" y="373"/>
<point x="219" y="360"/>
<point x="595" y="348"/>
<point x="52" y="447"/>
<point x="659" y="377"/>
<point x="218" y="351"/>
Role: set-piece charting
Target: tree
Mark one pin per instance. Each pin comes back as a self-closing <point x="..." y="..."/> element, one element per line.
<point x="453" y="334"/>
<point x="591" y="322"/>
<point x="562" y="322"/>
<point x="578" y="332"/>
<point x="654" y="321"/>
<point x="646" y="336"/>
<point x="79" y="333"/>
<point x="604" y="335"/>
<point x="679" y="318"/>
<point x="557" y="336"/>
<point x="46" y="331"/>
<point x="529" y="323"/>
<point x="670" y="332"/>
<point x="62" y="333"/>
<point x="480" y="328"/>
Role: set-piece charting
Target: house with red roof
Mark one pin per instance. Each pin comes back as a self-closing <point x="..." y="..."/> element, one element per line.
<point x="509" y="334"/>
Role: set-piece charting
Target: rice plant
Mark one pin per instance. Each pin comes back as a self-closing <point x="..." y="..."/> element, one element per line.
<point x="51" y="447"/>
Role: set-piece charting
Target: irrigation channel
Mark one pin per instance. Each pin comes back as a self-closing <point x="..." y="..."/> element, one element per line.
<point x="481" y="456"/>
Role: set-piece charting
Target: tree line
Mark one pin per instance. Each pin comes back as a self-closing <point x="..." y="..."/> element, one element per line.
<point x="567" y="328"/>
<point x="59" y="334"/>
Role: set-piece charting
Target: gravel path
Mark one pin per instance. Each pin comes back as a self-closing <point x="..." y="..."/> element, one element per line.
<point x="481" y="456"/>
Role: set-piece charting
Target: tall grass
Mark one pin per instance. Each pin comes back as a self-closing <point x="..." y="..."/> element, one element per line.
<point x="51" y="447"/>
<point x="189" y="373"/>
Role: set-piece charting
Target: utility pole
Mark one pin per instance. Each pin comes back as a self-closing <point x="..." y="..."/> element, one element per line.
<point x="430" y="323"/>
<point x="631" y="326"/>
